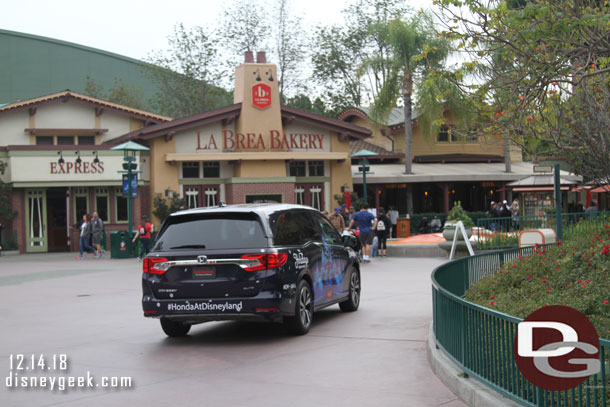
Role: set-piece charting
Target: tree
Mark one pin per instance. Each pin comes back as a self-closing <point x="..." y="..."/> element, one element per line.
<point x="122" y="93"/>
<point x="342" y="48"/>
<point x="538" y="72"/>
<point x="187" y="74"/>
<point x="289" y="47"/>
<point x="414" y="51"/>
<point x="303" y="102"/>
<point x="163" y="207"/>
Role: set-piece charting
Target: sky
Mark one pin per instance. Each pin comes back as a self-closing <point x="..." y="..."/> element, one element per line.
<point x="135" y="28"/>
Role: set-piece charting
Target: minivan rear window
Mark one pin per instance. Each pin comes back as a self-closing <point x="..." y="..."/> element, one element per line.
<point x="212" y="231"/>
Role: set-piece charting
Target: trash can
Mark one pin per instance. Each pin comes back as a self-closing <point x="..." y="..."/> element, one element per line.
<point x="121" y="246"/>
<point x="404" y="227"/>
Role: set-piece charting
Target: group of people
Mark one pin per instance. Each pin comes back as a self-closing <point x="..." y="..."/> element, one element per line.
<point x="91" y="231"/>
<point x="504" y="210"/>
<point x="369" y="225"/>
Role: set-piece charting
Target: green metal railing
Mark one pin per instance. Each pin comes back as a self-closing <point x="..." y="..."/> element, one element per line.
<point x="503" y="233"/>
<point x="480" y="340"/>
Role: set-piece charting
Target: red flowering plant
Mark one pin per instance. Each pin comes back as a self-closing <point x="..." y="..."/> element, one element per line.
<point x="575" y="273"/>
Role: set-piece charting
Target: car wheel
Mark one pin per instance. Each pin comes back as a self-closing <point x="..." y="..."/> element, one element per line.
<point x="353" y="301"/>
<point x="300" y="323"/>
<point x="174" y="328"/>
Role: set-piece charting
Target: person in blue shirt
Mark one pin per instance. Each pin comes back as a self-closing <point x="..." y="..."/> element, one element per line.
<point x="367" y="224"/>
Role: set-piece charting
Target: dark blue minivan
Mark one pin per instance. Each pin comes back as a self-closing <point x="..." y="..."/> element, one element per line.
<point x="276" y="262"/>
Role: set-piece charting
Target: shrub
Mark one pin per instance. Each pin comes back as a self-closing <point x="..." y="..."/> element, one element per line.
<point x="575" y="273"/>
<point x="457" y="213"/>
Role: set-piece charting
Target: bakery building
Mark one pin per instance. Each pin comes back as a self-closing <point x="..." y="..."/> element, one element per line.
<point x="255" y="150"/>
<point x="56" y="155"/>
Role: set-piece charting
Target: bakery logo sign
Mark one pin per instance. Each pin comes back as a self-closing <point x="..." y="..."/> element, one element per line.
<point x="557" y="348"/>
<point x="261" y="95"/>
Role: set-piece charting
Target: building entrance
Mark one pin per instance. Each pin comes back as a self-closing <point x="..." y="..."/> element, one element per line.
<point x="57" y="216"/>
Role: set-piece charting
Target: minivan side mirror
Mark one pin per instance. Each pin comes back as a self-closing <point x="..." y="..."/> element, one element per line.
<point x="350" y="241"/>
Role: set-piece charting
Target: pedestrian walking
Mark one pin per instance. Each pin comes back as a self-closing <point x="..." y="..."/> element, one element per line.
<point x="383" y="223"/>
<point x="592" y="210"/>
<point x="85" y="234"/>
<point x="345" y="213"/>
<point x="514" y="211"/>
<point x="393" y="215"/>
<point x="337" y="220"/>
<point x="97" y="230"/>
<point x="367" y="224"/>
<point x="144" y="233"/>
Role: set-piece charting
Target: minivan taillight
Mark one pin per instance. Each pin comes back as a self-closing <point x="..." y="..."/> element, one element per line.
<point x="155" y="265"/>
<point x="265" y="261"/>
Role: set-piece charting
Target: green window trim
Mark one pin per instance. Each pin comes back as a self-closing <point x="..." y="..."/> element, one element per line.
<point x="79" y="193"/>
<point x="118" y="194"/>
<point x="103" y="192"/>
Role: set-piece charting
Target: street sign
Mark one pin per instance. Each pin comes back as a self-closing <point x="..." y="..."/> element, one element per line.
<point x="543" y="168"/>
<point x="134" y="185"/>
<point x="364" y="168"/>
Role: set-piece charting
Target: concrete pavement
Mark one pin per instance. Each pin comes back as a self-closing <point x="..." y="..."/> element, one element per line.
<point x="53" y="304"/>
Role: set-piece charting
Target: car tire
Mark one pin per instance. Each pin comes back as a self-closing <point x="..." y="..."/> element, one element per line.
<point x="174" y="329"/>
<point x="353" y="300"/>
<point x="300" y="323"/>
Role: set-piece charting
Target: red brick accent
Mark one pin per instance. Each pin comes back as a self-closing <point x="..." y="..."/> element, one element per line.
<point x="236" y="193"/>
<point x="18" y="204"/>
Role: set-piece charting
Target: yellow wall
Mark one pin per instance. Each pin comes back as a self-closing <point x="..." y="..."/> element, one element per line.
<point x="252" y="119"/>
<point x="261" y="169"/>
<point x="163" y="175"/>
<point x="423" y="146"/>
<point x="340" y="171"/>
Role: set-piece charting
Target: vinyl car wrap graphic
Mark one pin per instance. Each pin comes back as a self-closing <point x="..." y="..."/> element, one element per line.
<point x="327" y="273"/>
<point x="205" y="306"/>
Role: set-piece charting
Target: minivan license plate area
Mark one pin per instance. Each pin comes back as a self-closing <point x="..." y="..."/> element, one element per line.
<point x="204" y="273"/>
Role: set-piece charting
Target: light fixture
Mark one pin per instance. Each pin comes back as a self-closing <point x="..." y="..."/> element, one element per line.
<point x="78" y="160"/>
<point x="61" y="157"/>
<point x="169" y="193"/>
<point x="96" y="159"/>
<point x="426" y="193"/>
<point x="258" y="75"/>
<point x="270" y="75"/>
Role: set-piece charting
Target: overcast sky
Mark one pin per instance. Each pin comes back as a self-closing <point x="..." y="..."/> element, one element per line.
<point x="134" y="28"/>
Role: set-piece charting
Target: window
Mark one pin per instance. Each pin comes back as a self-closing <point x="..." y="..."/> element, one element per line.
<point x="210" y="197"/>
<point x="44" y="140"/>
<point x="328" y="230"/>
<point x="443" y="134"/>
<point x="472" y="137"/>
<point x="230" y="231"/>
<point x="190" y="170"/>
<point x="293" y="228"/>
<point x="192" y="195"/>
<point x="299" y="195"/>
<point x="120" y="205"/>
<point x="211" y="169"/>
<point x="81" y="203"/>
<point x="65" y="140"/>
<point x="101" y="203"/>
<point x="316" y="168"/>
<point x="86" y="140"/>
<point x="316" y="199"/>
<point x="297" y="169"/>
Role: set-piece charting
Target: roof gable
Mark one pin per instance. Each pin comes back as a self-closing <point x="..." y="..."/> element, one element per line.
<point x="97" y="103"/>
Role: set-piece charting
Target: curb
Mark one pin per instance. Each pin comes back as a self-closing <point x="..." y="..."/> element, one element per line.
<point x="415" y="250"/>
<point x="468" y="389"/>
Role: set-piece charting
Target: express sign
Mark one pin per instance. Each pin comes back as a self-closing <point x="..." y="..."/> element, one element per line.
<point x="261" y="95"/>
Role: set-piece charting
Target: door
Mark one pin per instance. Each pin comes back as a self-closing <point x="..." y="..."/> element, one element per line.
<point x="57" y="226"/>
<point x="334" y="260"/>
<point x="36" y="220"/>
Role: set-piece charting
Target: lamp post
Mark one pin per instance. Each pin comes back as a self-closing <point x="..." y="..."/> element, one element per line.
<point x="129" y="167"/>
<point x="364" y="167"/>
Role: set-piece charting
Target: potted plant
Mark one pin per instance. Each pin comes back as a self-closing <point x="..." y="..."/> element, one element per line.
<point x="456" y="214"/>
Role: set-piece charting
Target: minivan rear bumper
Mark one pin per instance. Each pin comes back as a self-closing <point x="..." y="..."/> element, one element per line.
<point x="217" y="309"/>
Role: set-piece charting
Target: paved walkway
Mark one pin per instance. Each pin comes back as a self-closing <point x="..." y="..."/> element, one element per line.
<point x="89" y="310"/>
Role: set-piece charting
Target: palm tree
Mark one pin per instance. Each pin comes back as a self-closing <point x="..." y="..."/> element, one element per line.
<point x="416" y="50"/>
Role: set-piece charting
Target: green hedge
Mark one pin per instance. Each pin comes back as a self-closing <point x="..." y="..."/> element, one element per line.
<point x="417" y="217"/>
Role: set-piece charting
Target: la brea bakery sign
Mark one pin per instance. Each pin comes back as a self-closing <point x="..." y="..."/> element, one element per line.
<point x="274" y="140"/>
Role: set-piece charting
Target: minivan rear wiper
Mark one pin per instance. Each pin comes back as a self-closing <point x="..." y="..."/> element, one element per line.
<point x="189" y="246"/>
